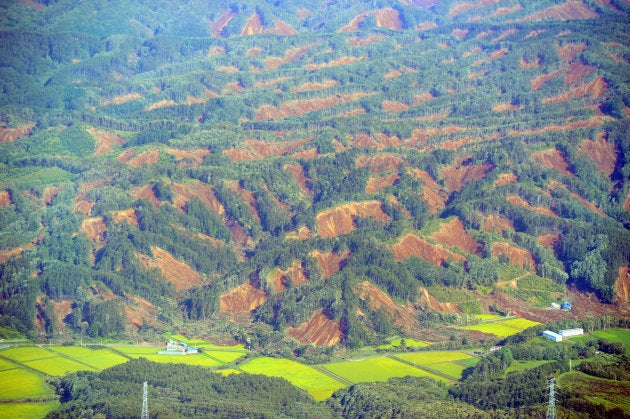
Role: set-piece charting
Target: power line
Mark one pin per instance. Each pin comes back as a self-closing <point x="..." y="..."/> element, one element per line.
<point x="551" y="410"/>
<point x="145" y="402"/>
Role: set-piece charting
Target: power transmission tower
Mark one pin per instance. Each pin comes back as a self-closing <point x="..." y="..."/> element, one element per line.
<point x="145" y="402"/>
<point x="551" y="410"/>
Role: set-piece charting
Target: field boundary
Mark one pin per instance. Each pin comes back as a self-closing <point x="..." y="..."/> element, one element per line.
<point x="424" y="368"/>
<point x="332" y="375"/>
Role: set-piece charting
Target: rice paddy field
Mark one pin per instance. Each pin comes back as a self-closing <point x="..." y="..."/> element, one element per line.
<point x="19" y="383"/>
<point x="502" y="328"/>
<point x="27" y="410"/>
<point x="615" y="335"/>
<point x="409" y="343"/>
<point x="380" y="368"/>
<point x="318" y="384"/>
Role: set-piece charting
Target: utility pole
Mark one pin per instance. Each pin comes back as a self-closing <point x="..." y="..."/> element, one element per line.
<point x="145" y="402"/>
<point x="551" y="410"/>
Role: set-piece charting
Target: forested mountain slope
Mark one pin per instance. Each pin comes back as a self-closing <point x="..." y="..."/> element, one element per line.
<point x="330" y="174"/>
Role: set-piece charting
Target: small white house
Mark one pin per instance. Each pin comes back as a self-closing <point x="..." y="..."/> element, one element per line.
<point x="571" y="332"/>
<point x="553" y="336"/>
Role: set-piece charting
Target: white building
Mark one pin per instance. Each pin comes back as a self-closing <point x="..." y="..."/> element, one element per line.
<point x="571" y="332"/>
<point x="553" y="336"/>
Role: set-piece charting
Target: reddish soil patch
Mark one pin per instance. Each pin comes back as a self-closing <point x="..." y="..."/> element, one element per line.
<point x="622" y="285"/>
<point x="532" y="64"/>
<point x="283" y="28"/>
<point x="567" y="11"/>
<point x="334" y="63"/>
<point x="392" y="106"/>
<point x="589" y="205"/>
<point x="139" y="311"/>
<point x="330" y="262"/>
<point x="253" y="26"/>
<point x="339" y="220"/>
<point x="626" y="204"/>
<point x="119" y="100"/>
<point x="432" y="192"/>
<point x="538" y="81"/>
<point x="189" y="158"/>
<point x="453" y="234"/>
<point x="576" y="72"/>
<point x="507" y="10"/>
<point x="505" y="107"/>
<point x="412" y="245"/>
<point x="95" y="229"/>
<point x="475" y="50"/>
<point x="302" y="233"/>
<point x="258" y="150"/>
<point x="161" y="104"/>
<point x="496" y="224"/>
<point x="246" y="195"/>
<point x="309" y="86"/>
<point x="51" y="192"/>
<point x="304" y="106"/>
<point x="35" y="5"/>
<point x="388" y="18"/>
<point x="304" y="13"/>
<point x="183" y="194"/>
<point x="380" y="163"/>
<point x="568" y="52"/>
<point x="380" y="182"/>
<point x="83" y="206"/>
<point x="105" y="140"/>
<point x="5" y="198"/>
<point x="422" y="98"/>
<point x="150" y="156"/>
<point x="352" y="113"/>
<point x="426" y="26"/>
<point x="216" y="50"/>
<point x="477" y="75"/>
<point x="460" y="33"/>
<point x="552" y="159"/>
<point x="354" y="24"/>
<point x="270" y="83"/>
<point x="379" y="141"/>
<point x="427" y="301"/>
<point x="466" y="7"/>
<point x="501" y="37"/>
<point x="517" y="200"/>
<point x="128" y="216"/>
<point x="549" y="240"/>
<point x="297" y="172"/>
<point x="242" y="299"/>
<point x="280" y="279"/>
<point x="506" y="179"/>
<point x="362" y="42"/>
<point x="252" y="52"/>
<point x="459" y="174"/>
<point x="9" y="135"/>
<point x="61" y="309"/>
<point x="228" y="69"/>
<point x="603" y="153"/>
<point x="590" y="123"/>
<point x="318" y="331"/>
<point x="146" y="192"/>
<point x="403" y="316"/>
<point x="595" y="89"/>
<point x="516" y="255"/>
<point x="217" y="27"/>
<point x="175" y="272"/>
<point x="291" y="55"/>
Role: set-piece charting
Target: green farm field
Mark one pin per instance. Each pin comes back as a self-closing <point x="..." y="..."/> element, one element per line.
<point x="376" y="369"/>
<point x="224" y="356"/>
<point x="58" y="366"/>
<point x="26" y="353"/>
<point x="319" y="385"/>
<point x="199" y="360"/>
<point x="610" y="393"/>
<point x="409" y="342"/>
<point x="27" y="410"/>
<point x="422" y="358"/>
<point x="6" y="365"/>
<point x="97" y="358"/>
<point x="449" y="368"/>
<point x="615" y="335"/>
<point x="20" y="383"/>
<point x="502" y="328"/>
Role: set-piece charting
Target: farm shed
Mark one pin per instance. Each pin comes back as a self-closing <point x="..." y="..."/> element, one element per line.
<point x="571" y="332"/>
<point x="553" y="336"/>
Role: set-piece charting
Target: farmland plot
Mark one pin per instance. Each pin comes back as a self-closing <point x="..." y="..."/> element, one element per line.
<point x="19" y="383"/>
<point x="376" y="369"/>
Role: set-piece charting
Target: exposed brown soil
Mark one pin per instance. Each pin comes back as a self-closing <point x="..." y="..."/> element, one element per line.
<point x="622" y="286"/>
<point x="35" y="5"/>
<point x="567" y="11"/>
<point x="227" y="69"/>
<point x="589" y="205"/>
<point x="616" y="57"/>
<point x="453" y="234"/>
<point x="339" y="220"/>
<point x="576" y="72"/>
<point x="183" y="194"/>
<point x="297" y="172"/>
<point x="477" y="74"/>
<point x="404" y="316"/>
<point x="427" y="301"/>
<point x="127" y="216"/>
<point x="258" y="150"/>
<point x="246" y="195"/>
<point x="175" y="272"/>
<point x="380" y="182"/>
<point x="502" y="36"/>
<point x="431" y="190"/>
<point x="302" y="233"/>
<point x="426" y="26"/>
<point x="253" y="26"/>
<point x="362" y="42"/>
<point x="330" y="262"/>
<point x="60" y="310"/>
<point x="95" y="229"/>
<point x="281" y="279"/>
<point x="217" y="27"/>
<point x="549" y="240"/>
<point x="5" y="198"/>
<point x="506" y="179"/>
<point x="516" y="255"/>
<point x="590" y="123"/>
<point x="189" y="157"/>
<point x="388" y="18"/>
<point x="538" y="81"/>
<point x="351" y="113"/>
<point x="8" y="254"/>
<point x="216" y="50"/>
<point x="532" y="64"/>
<point x="505" y="107"/>
<point x="304" y="106"/>
<point x="379" y="141"/>
<point x="412" y="245"/>
<point x="146" y="192"/>
<point x="119" y="100"/>
<point x="460" y="173"/>
<point x="568" y="52"/>
<point x="517" y="200"/>
<point x="290" y="55"/>
<point x="552" y="159"/>
<point x="105" y="140"/>
<point x="475" y="50"/>
<point x="9" y="135"/>
<point x="254" y="51"/>
<point x="507" y="10"/>
<point x="496" y="223"/>
<point x="271" y="83"/>
<point x="304" y="13"/>
<point x="380" y="163"/>
<point x="283" y="28"/>
<point x="81" y="205"/>
<point x="49" y="193"/>
<point x="318" y="331"/>
<point x="150" y="156"/>
<point x="422" y="98"/>
<point x="460" y="33"/>
<point x="354" y="24"/>
<point x="309" y="86"/>
<point x="392" y="106"/>
<point x="139" y="311"/>
<point x="626" y="203"/>
<point x="334" y="63"/>
<point x="242" y="299"/>
<point x="166" y="103"/>
<point x="595" y="89"/>
<point x="465" y="7"/>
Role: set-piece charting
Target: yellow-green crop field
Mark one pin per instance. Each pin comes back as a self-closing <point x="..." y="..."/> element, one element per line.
<point x="136" y="351"/>
<point x="19" y="383"/>
<point x="26" y="353"/>
<point x="451" y="369"/>
<point x="380" y="368"/>
<point x="409" y="342"/>
<point x="224" y="356"/>
<point x="502" y="328"/>
<point x="424" y="358"/>
<point x="319" y="385"/>
<point x="97" y="358"/>
<point x="57" y="366"/>
<point x="486" y="317"/>
<point x="6" y="365"/>
<point x="26" y="410"/>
